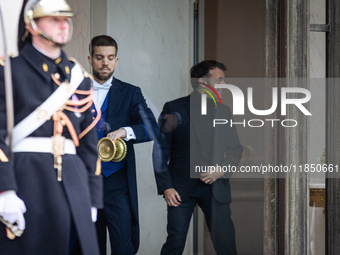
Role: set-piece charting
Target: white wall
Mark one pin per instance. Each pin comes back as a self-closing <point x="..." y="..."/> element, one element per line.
<point x="78" y="47"/>
<point x="10" y="11"/>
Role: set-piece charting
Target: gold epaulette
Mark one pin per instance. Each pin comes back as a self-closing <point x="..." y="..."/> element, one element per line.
<point x="86" y="74"/>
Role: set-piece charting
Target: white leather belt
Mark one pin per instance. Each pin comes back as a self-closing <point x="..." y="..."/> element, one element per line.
<point x="42" y="145"/>
<point x="51" y="105"/>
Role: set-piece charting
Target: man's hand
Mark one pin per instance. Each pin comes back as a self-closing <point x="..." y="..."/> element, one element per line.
<point x="12" y="208"/>
<point x="169" y="123"/>
<point x="172" y="198"/>
<point x="211" y="177"/>
<point x="120" y="133"/>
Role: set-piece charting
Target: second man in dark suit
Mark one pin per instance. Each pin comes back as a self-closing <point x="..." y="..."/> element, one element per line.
<point x="188" y="139"/>
<point x="124" y="115"/>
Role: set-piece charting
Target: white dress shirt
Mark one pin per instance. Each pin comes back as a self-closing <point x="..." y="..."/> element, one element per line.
<point x="46" y="53"/>
<point x="99" y="94"/>
<point x="100" y="91"/>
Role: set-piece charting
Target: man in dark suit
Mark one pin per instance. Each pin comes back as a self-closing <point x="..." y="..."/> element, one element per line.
<point x="124" y="115"/>
<point x="189" y="139"/>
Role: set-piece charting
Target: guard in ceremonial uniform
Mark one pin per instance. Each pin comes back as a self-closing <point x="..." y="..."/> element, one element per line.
<point x="51" y="189"/>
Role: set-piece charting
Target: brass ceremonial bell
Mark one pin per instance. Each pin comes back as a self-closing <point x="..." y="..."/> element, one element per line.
<point x="108" y="150"/>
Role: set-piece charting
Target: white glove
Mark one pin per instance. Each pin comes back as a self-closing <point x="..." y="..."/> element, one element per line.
<point x="12" y="208"/>
<point x="94" y="212"/>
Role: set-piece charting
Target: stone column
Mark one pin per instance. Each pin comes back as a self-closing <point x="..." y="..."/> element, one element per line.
<point x="271" y="198"/>
<point x="296" y="139"/>
<point x="332" y="128"/>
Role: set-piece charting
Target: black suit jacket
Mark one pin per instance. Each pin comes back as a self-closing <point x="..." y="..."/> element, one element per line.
<point x="180" y="149"/>
<point x="127" y="108"/>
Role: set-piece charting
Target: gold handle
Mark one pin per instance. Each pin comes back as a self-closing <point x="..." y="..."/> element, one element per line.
<point x="110" y="151"/>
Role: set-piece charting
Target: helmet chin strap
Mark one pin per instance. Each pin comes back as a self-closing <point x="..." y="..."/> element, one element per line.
<point x="45" y="36"/>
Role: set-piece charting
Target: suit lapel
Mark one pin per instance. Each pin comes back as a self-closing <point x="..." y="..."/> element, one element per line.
<point x="193" y="118"/>
<point x="218" y="135"/>
<point x="187" y="105"/>
<point x="105" y="104"/>
<point x="116" y="98"/>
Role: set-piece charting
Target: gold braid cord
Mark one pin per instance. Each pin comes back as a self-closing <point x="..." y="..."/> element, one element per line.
<point x="94" y="122"/>
<point x="60" y="118"/>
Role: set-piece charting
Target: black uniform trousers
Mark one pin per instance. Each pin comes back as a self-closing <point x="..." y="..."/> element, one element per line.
<point x="116" y="215"/>
<point x="217" y="215"/>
